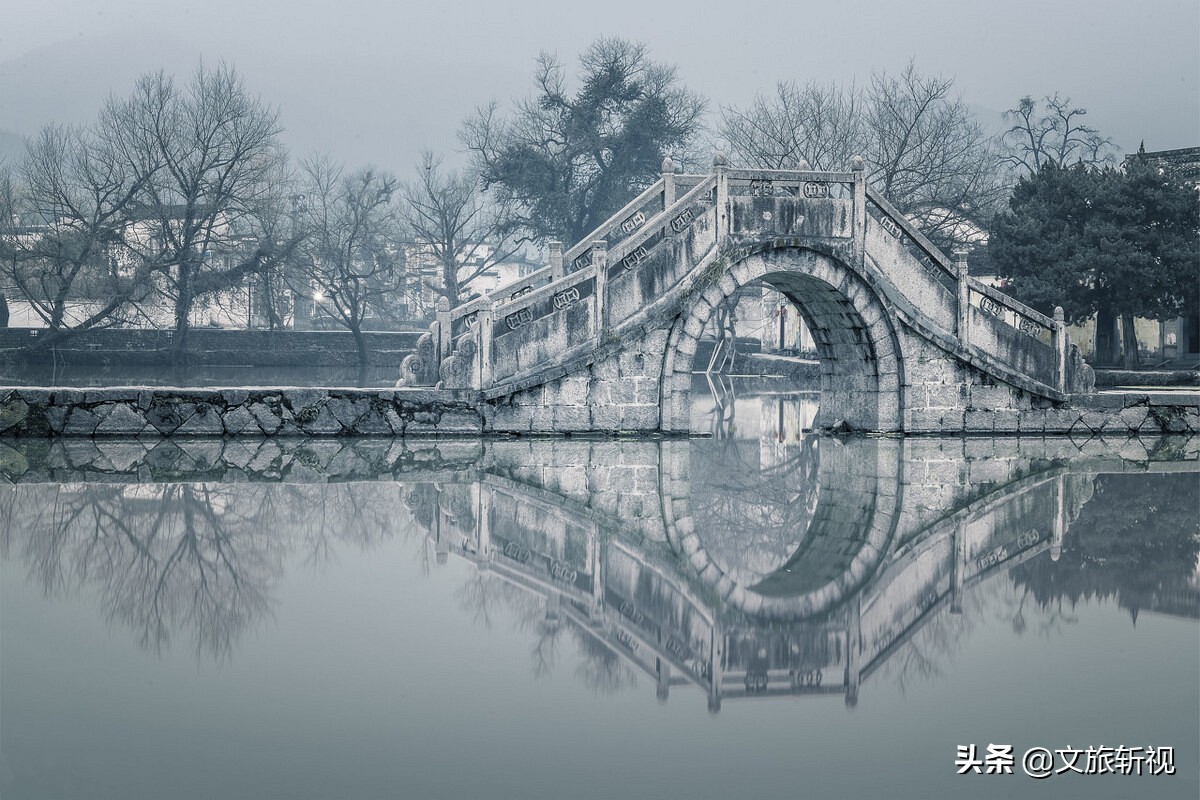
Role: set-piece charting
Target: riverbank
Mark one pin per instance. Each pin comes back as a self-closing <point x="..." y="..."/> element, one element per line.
<point x="171" y="411"/>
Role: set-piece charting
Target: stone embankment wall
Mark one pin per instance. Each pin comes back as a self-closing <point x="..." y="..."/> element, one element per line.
<point x="235" y="412"/>
<point x="433" y="412"/>
<point x="137" y="347"/>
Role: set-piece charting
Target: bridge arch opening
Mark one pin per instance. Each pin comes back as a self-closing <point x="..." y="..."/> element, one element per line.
<point x="851" y="332"/>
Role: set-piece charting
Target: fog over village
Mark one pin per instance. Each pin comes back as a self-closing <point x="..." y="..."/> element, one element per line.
<point x="377" y="83"/>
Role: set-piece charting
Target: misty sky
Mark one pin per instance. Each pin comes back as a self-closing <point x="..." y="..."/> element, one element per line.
<point x="376" y="82"/>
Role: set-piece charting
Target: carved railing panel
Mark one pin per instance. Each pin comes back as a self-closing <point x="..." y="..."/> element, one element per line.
<point x="1010" y="311"/>
<point x="936" y="265"/>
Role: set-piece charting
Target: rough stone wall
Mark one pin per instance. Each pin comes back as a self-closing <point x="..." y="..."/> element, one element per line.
<point x="617" y="393"/>
<point x="941" y="394"/>
<point x="236" y="412"/>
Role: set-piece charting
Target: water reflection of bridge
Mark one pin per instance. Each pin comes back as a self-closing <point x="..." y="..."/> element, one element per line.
<point x="870" y="571"/>
<point x="800" y="569"/>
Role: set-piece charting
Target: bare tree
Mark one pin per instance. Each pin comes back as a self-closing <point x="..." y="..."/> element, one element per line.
<point x="9" y="232"/>
<point x="351" y="253"/>
<point x="814" y="122"/>
<point x="456" y="228"/>
<point x="929" y="155"/>
<point x="1052" y="131"/>
<point x="924" y="149"/>
<point x="203" y="159"/>
<point x="64" y="220"/>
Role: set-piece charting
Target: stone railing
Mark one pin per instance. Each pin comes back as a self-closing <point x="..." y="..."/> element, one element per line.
<point x="573" y="310"/>
<point x="802" y="182"/>
<point x="458" y="328"/>
<point x="597" y="284"/>
<point x="796" y="203"/>
<point x="889" y="218"/>
<point x="1020" y="326"/>
<point x="978" y="308"/>
<point x="632" y="216"/>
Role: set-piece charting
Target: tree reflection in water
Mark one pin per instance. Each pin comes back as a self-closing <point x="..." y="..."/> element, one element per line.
<point x="1137" y="541"/>
<point x="161" y="557"/>
<point x="203" y="560"/>
<point x="753" y="513"/>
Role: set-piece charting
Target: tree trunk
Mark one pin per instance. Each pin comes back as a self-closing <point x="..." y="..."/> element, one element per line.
<point x="3" y="311"/>
<point x="360" y="345"/>
<point x="1129" y="342"/>
<point x="183" y="307"/>
<point x="58" y="310"/>
<point x="1106" y="325"/>
<point x="274" y="320"/>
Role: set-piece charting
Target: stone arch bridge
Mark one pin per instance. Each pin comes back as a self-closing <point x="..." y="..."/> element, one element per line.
<point x="603" y="338"/>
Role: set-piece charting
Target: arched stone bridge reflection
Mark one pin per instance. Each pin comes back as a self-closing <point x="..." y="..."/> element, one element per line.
<point x="897" y="532"/>
<point x="742" y="568"/>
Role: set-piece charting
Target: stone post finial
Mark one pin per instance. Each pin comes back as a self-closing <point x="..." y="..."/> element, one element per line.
<point x="668" y="178"/>
<point x="719" y="159"/>
<point x="600" y="264"/>
<point x="1062" y="345"/>
<point x="857" y="164"/>
<point x="443" y="303"/>
<point x="964" y="295"/>
<point x="555" y="249"/>
<point x="803" y="165"/>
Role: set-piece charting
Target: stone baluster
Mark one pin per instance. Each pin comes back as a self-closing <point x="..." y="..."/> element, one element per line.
<point x="958" y="572"/>
<point x="556" y="259"/>
<point x="1060" y="348"/>
<point x="600" y="264"/>
<point x="859" y="168"/>
<point x="721" y="170"/>
<point x="964" y="297"/>
<point x="668" y="176"/>
<point x="444" y="340"/>
<point x="1059" y="530"/>
<point x="854" y="652"/>
<point x="487" y="319"/>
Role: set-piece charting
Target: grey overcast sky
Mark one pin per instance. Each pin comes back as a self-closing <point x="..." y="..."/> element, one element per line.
<point x="377" y="82"/>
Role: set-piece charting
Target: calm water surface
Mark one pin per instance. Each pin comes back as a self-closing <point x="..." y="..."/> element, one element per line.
<point x="762" y="613"/>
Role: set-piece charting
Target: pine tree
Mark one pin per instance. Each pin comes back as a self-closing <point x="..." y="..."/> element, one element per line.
<point x="1102" y="242"/>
